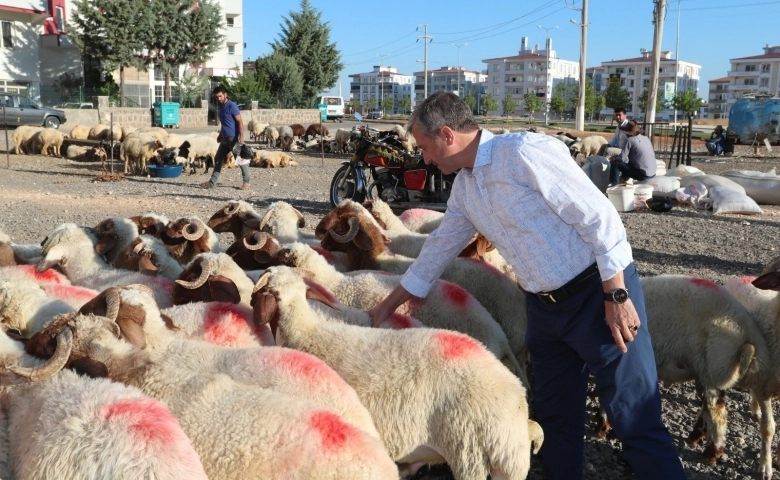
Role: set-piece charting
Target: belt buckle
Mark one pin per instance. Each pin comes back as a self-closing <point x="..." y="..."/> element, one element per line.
<point x="547" y="297"/>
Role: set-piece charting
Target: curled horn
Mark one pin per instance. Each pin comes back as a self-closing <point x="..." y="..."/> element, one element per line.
<point x="265" y="219"/>
<point x="205" y="266"/>
<point x="262" y="281"/>
<point x="231" y="208"/>
<point x="354" y="229"/>
<point x="55" y="363"/>
<point x="141" y="288"/>
<point x="301" y="220"/>
<point x="137" y="249"/>
<point x="113" y="302"/>
<point x="200" y="229"/>
<point x="260" y="237"/>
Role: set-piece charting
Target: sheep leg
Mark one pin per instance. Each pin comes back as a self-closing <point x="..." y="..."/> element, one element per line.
<point x="767" y="429"/>
<point x="699" y="431"/>
<point x="715" y="401"/>
<point x="755" y="409"/>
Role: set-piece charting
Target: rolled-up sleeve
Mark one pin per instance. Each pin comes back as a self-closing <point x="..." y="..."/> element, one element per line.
<point x="440" y="249"/>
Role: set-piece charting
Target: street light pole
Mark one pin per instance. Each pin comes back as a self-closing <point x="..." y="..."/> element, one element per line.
<point x="579" y="122"/>
<point x="677" y="60"/>
<point x="547" y="73"/>
<point x="381" y="81"/>
<point x="458" y="45"/>
<point x="425" y="57"/>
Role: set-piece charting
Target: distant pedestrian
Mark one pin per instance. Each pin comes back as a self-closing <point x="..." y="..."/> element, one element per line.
<point x="715" y="145"/>
<point x="232" y="132"/>
<point x="636" y="160"/>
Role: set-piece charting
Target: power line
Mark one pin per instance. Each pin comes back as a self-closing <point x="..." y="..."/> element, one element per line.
<point x="499" y="25"/>
<point x="475" y="38"/>
<point x="726" y="6"/>
<point x="381" y="46"/>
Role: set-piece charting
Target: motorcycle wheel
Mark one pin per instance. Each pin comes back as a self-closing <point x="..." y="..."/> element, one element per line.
<point x="348" y="191"/>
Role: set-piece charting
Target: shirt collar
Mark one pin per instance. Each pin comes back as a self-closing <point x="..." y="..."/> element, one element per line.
<point x="484" y="149"/>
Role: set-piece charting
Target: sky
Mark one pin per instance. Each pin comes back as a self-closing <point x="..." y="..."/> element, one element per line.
<point x="369" y="33"/>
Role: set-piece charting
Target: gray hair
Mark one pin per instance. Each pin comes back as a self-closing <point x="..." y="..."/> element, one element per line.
<point x="442" y="109"/>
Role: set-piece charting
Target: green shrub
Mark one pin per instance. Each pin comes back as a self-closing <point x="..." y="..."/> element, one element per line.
<point x="508" y="120"/>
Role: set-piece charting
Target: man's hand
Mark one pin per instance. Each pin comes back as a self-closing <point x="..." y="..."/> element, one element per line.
<point x="621" y="318"/>
<point x="386" y="307"/>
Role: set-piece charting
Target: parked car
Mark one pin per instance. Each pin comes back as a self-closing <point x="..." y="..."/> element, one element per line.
<point x="375" y="115"/>
<point x="20" y="110"/>
<point x="76" y="105"/>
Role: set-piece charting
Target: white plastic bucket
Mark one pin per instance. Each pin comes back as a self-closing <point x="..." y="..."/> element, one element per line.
<point x="622" y="198"/>
<point x="643" y="192"/>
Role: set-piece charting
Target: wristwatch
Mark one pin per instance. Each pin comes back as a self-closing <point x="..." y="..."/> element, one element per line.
<point x="618" y="295"/>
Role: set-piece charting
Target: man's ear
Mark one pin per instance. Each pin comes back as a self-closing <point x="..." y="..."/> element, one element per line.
<point x="448" y="135"/>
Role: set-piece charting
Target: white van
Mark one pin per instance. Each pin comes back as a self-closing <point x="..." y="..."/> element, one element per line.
<point x="335" y="107"/>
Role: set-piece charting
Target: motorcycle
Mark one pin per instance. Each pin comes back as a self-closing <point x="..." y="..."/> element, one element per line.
<point x="380" y="168"/>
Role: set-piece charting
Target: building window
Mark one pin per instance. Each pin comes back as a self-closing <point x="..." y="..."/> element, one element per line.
<point x="750" y="81"/>
<point x="496" y="67"/>
<point x="764" y="82"/>
<point x="631" y="83"/>
<point x="619" y="71"/>
<point x="646" y="70"/>
<point x="630" y="71"/>
<point x="496" y="90"/>
<point x="7" y="35"/>
<point x="765" y="68"/>
<point x="231" y="49"/>
<point x="645" y="82"/>
<point x="230" y="21"/>
<point x="750" y="68"/>
<point x="59" y="17"/>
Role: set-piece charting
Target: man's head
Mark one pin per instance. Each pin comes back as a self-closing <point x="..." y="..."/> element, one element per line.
<point x="221" y="93"/>
<point x="632" y="129"/>
<point x="441" y="125"/>
<point x="719" y="129"/>
<point x="620" y="115"/>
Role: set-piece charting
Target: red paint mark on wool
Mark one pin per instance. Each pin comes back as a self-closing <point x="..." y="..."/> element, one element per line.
<point x="149" y="419"/>
<point x="69" y="292"/>
<point x="322" y="290"/>
<point x="225" y="323"/>
<point x="489" y="267"/>
<point x="415" y="214"/>
<point x="745" y="280"/>
<point x="705" y="283"/>
<point x="49" y="276"/>
<point x="324" y="254"/>
<point x="305" y="366"/>
<point x="334" y="432"/>
<point x="455" y="294"/>
<point x="400" y="322"/>
<point x="455" y="345"/>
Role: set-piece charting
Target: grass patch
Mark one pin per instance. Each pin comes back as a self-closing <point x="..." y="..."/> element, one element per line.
<point x="508" y="120"/>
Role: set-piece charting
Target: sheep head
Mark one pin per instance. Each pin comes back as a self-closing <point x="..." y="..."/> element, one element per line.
<point x="137" y="257"/>
<point x="352" y="233"/>
<point x="237" y="217"/>
<point x="185" y="238"/>
<point x="149" y="224"/>
<point x="107" y="236"/>
<point x="332" y="217"/>
<point x="129" y="317"/>
<point x="255" y="251"/>
<point x="199" y="283"/>
<point x="64" y="241"/>
<point x="768" y="281"/>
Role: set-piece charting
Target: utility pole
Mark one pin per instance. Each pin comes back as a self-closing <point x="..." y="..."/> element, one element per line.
<point x="381" y="82"/>
<point x="425" y="57"/>
<point x="652" y="90"/>
<point x="547" y="77"/>
<point x="677" y="60"/>
<point x="579" y="122"/>
<point x="458" y="45"/>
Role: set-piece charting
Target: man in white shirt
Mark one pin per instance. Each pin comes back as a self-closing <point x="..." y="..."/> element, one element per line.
<point x="569" y="251"/>
<point x="618" y="141"/>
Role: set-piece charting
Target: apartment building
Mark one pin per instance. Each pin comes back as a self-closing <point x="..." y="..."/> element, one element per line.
<point x="718" y="98"/>
<point x="371" y="88"/>
<point x="753" y="75"/>
<point x="633" y="74"/>
<point x="457" y="80"/>
<point x="528" y="72"/>
<point x="34" y="48"/>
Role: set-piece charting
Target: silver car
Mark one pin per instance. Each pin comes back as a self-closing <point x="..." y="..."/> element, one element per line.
<point x="20" y="110"/>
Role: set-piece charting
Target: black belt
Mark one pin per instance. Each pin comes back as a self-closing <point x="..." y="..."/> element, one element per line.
<point x="573" y="287"/>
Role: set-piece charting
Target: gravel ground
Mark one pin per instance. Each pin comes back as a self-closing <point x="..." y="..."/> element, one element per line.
<point x="39" y="193"/>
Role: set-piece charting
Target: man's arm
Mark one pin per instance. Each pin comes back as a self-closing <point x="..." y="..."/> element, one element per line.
<point x="239" y="127"/>
<point x="620" y="316"/>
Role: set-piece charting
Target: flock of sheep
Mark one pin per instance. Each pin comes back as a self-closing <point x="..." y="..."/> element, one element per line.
<point x="177" y="342"/>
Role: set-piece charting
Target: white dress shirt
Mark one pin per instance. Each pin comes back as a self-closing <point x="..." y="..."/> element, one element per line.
<point x="619" y="139"/>
<point x="542" y="213"/>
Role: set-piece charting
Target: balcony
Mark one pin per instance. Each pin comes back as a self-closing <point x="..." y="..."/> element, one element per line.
<point x="742" y="73"/>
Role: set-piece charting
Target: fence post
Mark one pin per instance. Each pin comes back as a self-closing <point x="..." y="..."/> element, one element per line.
<point x="7" y="145"/>
<point x="690" y="131"/>
<point x="111" y="143"/>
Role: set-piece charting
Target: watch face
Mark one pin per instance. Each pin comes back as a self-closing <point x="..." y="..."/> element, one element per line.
<point x="620" y="295"/>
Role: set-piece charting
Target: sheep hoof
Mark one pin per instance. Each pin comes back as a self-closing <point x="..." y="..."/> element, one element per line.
<point x="712" y="454"/>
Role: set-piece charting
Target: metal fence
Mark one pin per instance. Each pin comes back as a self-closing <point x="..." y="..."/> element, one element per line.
<point x="671" y="143"/>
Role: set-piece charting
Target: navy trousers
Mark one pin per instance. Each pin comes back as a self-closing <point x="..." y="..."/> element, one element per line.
<point x="226" y="146"/>
<point x="571" y="338"/>
<point x="618" y="169"/>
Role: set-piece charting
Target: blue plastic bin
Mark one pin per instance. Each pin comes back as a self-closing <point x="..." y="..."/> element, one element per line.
<point x="166" y="114"/>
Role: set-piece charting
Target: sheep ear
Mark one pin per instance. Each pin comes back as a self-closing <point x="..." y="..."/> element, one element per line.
<point x="262" y="257"/>
<point x="314" y="294"/>
<point x="106" y="244"/>
<point x="89" y="367"/>
<point x="96" y="306"/>
<point x="46" y="263"/>
<point x="363" y="241"/>
<point x="169" y="323"/>
<point x="768" y="281"/>
<point x="130" y="320"/>
<point x="146" y="266"/>
<point x="265" y="311"/>
<point x="252" y="222"/>
<point x="223" y="289"/>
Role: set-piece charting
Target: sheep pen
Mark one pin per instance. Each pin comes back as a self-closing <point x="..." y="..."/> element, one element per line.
<point x="38" y="193"/>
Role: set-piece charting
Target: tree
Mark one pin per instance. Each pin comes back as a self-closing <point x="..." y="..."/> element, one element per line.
<point x="489" y="103"/>
<point x="508" y="105"/>
<point x="470" y="101"/>
<point x="387" y="103"/>
<point x="184" y="32"/>
<point x="595" y="105"/>
<point x="561" y="99"/>
<point x="616" y="96"/>
<point x="247" y="87"/>
<point x="405" y="103"/>
<point x="532" y="102"/>
<point x="643" y="98"/>
<point x="354" y="104"/>
<point x="67" y="86"/>
<point x="285" y="80"/>
<point x="306" y="39"/>
<point x="191" y="86"/>
<point x="112" y="32"/>
<point x="372" y="103"/>
<point x="687" y="101"/>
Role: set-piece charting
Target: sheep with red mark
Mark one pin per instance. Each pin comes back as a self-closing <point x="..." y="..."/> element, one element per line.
<point x="255" y="251"/>
<point x="484" y="428"/>
<point x="25" y="306"/>
<point x="286" y="437"/>
<point x="448" y="306"/>
<point x="186" y="237"/>
<point x="29" y="272"/>
<point x="23" y="254"/>
<point x="237" y="217"/>
<point x="114" y="234"/>
<point x="364" y="245"/>
<point x="148" y="255"/>
<point x="218" y="323"/>
<point x="213" y="277"/>
<point x="421" y="220"/>
<point x="73" y="249"/>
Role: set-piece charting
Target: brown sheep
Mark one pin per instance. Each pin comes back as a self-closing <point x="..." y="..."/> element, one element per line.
<point x="297" y="130"/>
<point x="314" y="130"/>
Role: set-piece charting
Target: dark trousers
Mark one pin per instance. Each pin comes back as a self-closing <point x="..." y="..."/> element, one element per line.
<point x="225" y="146"/>
<point x="567" y="341"/>
<point x="618" y="169"/>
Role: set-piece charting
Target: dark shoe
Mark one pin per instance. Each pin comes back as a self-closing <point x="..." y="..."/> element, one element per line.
<point x="244" y="186"/>
<point x="207" y="185"/>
